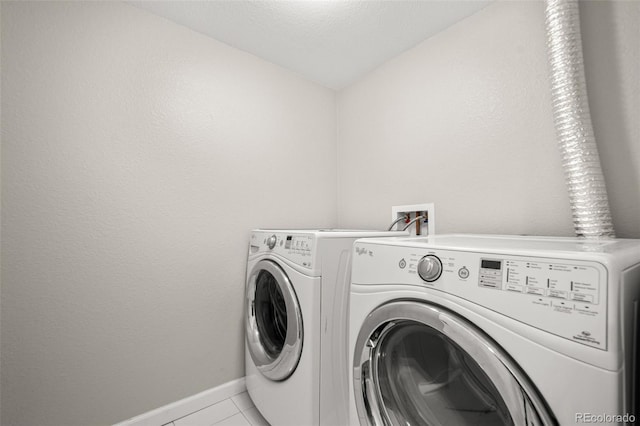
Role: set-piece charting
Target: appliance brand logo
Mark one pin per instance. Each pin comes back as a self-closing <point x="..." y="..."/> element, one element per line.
<point x="361" y="250"/>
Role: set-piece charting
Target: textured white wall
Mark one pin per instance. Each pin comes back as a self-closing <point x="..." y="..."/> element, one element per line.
<point x="464" y="120"/>
<point x="136" y="156"/>
<point x="611" y="45"/>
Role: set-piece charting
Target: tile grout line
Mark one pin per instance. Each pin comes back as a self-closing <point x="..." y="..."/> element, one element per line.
<point x="209" y="406"/>
<point x="240" y="409"/>
<point x="234" y="403"/>
<point x="246" y="418"/>
<point x="228" y="417"/>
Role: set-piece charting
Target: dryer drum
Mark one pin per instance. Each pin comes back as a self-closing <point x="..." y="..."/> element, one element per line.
<point x="273" y="321"/>
<point x="425" y="378"/>
<point x="420" y="364"/>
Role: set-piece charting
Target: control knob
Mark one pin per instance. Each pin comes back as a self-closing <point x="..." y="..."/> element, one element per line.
<point x="429" y="268"/>
<point x="271" y="242"/>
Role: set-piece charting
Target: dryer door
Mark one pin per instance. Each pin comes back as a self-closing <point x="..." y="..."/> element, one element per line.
<point x="420" y="364"/>
<point x="273" y="321"/>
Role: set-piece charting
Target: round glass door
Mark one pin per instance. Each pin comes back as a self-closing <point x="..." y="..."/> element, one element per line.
<point x="273" y="321"/>
<point x="418" y="364"/>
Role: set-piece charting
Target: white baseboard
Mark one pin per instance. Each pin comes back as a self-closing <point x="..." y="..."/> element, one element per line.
<point x="175" y="410"/>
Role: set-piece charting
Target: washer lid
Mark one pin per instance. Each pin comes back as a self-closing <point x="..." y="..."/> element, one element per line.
<point x="273" y="321"/>
<point x="417" y="363"/>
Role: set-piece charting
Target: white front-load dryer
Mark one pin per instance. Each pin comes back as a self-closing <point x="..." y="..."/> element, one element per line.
<point x="297" y="293"/>
<point x="494" y="330"/>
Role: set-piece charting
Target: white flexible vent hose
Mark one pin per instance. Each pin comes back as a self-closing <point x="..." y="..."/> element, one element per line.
<point x="580" y="159"/>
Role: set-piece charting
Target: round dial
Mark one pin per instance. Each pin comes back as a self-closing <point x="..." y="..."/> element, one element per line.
<point x="429" y="268"/>
<point x="271" y="242"/>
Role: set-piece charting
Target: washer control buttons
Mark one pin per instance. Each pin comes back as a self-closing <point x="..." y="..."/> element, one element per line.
<point x="430" y="268"/>
<point x="402" y="264"/>
<point x="463" y="273"/>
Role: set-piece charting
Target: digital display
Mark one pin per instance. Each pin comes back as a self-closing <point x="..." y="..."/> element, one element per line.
<point x="287" y="245"/>
<point x="491" y="264"/>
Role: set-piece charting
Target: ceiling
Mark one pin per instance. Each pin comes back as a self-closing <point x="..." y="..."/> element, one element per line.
<point x="331" y="42"/>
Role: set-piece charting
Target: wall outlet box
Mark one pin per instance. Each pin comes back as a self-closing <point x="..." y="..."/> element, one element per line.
<point x="425" y="226"/>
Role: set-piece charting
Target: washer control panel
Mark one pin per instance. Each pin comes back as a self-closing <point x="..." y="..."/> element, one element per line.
<point x="564" y="297"/>
<point x="298" y="248"/>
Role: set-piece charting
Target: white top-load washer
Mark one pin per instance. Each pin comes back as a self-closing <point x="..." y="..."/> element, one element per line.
<point x="494" y="330"/>
<point x="297" y="293"/>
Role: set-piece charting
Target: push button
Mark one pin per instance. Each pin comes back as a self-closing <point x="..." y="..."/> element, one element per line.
<point x="463" y="273"/>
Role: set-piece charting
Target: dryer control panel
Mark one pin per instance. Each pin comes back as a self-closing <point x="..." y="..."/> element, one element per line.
<point x="564" y="297"/>
<point x="549" y="279"/>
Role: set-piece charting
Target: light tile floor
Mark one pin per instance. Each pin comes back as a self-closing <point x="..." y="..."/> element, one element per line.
<point x="235" y="411"/>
